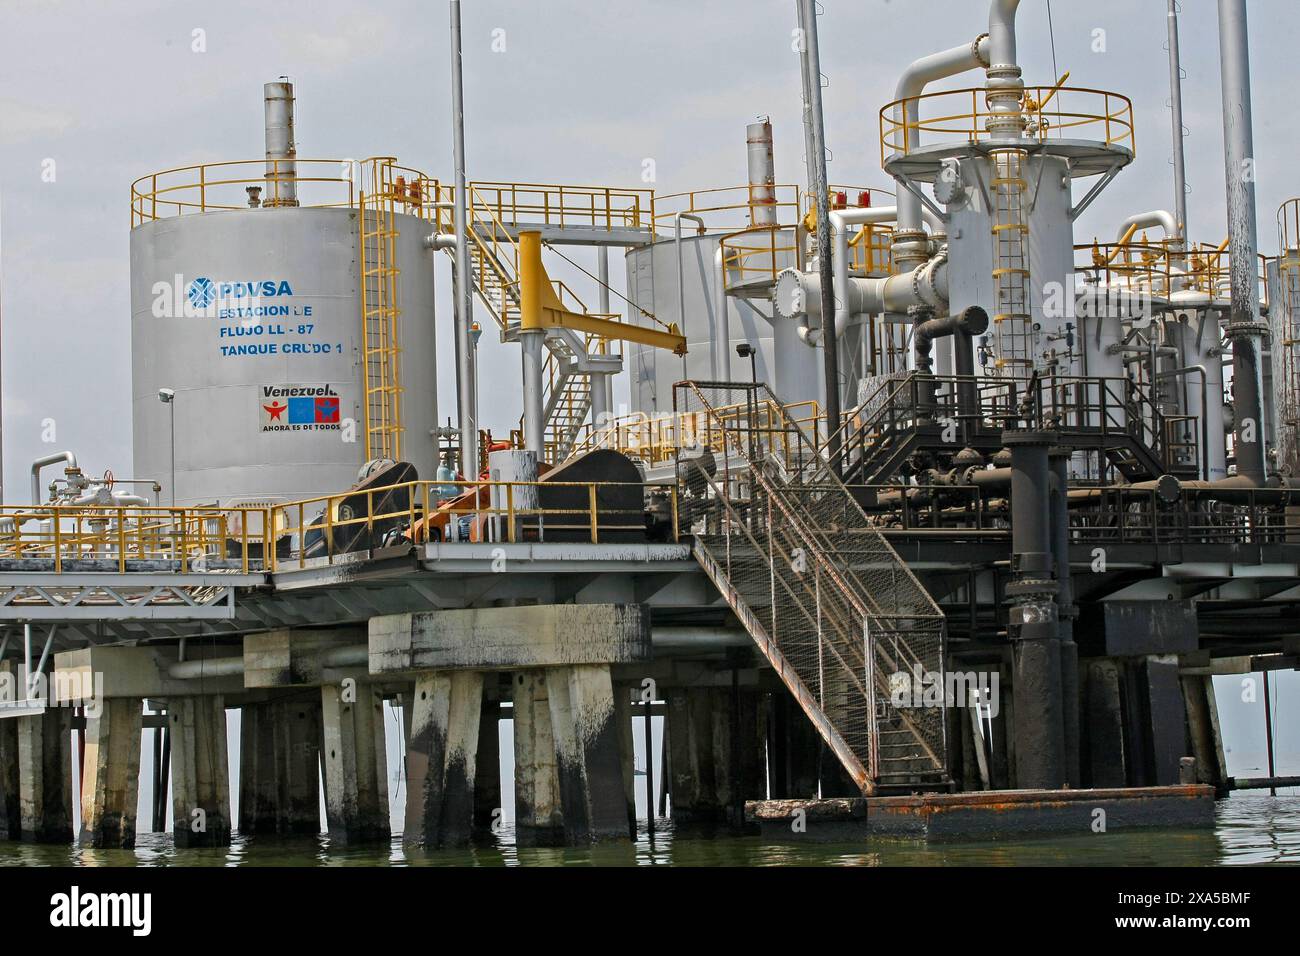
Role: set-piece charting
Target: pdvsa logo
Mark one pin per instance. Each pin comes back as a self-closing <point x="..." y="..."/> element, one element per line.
<point x="202" y="292"/>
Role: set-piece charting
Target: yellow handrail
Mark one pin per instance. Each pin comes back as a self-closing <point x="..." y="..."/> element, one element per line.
<point x="1107" y="116"/>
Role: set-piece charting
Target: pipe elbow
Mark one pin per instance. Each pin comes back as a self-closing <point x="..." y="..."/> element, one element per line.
<point x="1142" y="220"/>
<point x="1002" y="33"/>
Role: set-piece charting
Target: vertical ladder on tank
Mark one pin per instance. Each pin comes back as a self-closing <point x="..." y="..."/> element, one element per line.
<point x="379" y="318"/>
<point x="1013" y="322"/>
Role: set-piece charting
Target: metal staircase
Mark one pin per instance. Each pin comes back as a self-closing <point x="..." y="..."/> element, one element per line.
<point x="829" y="603"/>
<point x="494" y="257"/>
<point x="566" y="398"/>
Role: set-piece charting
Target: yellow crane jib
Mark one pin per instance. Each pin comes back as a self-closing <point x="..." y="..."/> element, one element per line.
<point x="541" y="308"/>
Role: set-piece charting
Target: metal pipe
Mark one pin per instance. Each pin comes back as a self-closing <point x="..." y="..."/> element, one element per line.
<point x="1268" y="732"/>
<point x="602" y="383"/>
<point x="530" y="343"/>
<point x="841" y="219"/>
<point x="799" y="293"/>
<point x="911" y="84"/>
<point x="1176" y="116"/>
<point x="39" y="463"/>
<point x="206" y="667"/>
<point x="1033" y="620"/>
<point x="681" y="284"/>
<point x="45" y="652"/>
<point x="1244" y="330"/>
<point x="1003" y="85"/>
<point x="281" y="150"/>
<point x="1142" y="220"/>
<point x="723" y="308"/>
<point x="466" y="374"/>
<point x="963" y="327"/>
<point x="1203" y="417"/>
<point x="349" y="655"/>
<point x="649" y="768"/>
<point x="762" y="174"/>
<point x="811" y="62"/>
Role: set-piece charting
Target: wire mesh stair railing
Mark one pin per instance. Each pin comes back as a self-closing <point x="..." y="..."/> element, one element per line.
<point x="829" y="603"/>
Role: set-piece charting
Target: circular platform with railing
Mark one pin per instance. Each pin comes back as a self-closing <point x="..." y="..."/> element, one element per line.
<point x="1160" y="268"/>
<point x="754" y="255"/>
<point x="1092" y="128"/>
<point x="254" y="183"/>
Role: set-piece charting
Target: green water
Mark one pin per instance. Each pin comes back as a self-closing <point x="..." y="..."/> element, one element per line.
<point x="1251" y="828"/>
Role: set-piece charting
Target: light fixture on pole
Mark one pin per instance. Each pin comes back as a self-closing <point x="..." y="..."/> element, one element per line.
<point x="168" y="397"/>
<point x="745" y="350"/>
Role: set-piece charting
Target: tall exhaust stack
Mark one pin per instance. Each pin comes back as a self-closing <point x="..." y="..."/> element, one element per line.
<point x="1244" y="329"/>
<point x="762" y="174"/>
<point x="281" y="150"/>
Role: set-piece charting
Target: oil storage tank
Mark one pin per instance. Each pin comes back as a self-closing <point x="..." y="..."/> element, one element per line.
<point x="711" y="271"/>
<point x="282" y="326"/>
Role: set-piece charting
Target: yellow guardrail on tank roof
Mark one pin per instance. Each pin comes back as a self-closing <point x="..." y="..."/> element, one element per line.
<point x="317" y="183"/>
<point x="959" y="116"/>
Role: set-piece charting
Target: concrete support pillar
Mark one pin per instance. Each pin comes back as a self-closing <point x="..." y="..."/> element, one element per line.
<point x="200" y="771"/>
<point x="441" y="757"/>
<point x="589" y="752"/>
<point x="626" y="748"/>
<point x="1165" y="729"/>
<point x="10" y="826"/>
<point x="111" y="774"/>
<point x="716" y="739"/>
<point x="793" y="744"/>
<point x="1001" y="750"/>
<point x="45" y="776"/>
<point x="355" y="762"/>
<point x="1203" y="731"/>
<point x="538" y="817"/>
<point x="1105" y="726"/>
<point x="279" y="767"/>
<point x="487" y="771"/>
<point x="693" y="759"/>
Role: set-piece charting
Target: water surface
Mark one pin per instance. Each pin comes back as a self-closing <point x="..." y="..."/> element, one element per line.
<point x="1251" y="828"/>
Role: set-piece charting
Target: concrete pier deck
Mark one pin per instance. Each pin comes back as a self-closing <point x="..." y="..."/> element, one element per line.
<point x="986" y="814"/>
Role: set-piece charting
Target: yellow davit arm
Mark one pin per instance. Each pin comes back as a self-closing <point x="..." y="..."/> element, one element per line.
<point x="541" y="308"/>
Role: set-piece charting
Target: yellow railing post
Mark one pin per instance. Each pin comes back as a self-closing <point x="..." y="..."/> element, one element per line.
<point x="510" y="512"/>
<point x="58" y="545"/>
<point x="677" y="536"/>
<point x="591" y="503"/>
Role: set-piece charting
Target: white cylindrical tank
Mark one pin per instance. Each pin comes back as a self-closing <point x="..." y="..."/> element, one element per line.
<point x="254" y="318"/>
<point x="791" y="368"/>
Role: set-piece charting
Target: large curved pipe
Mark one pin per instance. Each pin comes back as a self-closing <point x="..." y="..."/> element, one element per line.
<point x="1142" y="220"/>
<point x="1003" y="85"/>
<point x="720" y="306"/>
<point x="799" y="293"/>
<point x="41" y="462"/>
<point x="911" y="84"/>
<point x="1002" y="33"/>
<point x="841" y="220"/>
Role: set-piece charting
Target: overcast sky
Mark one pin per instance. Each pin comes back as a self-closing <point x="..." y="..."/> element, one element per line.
<point x="103" y="92"/>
